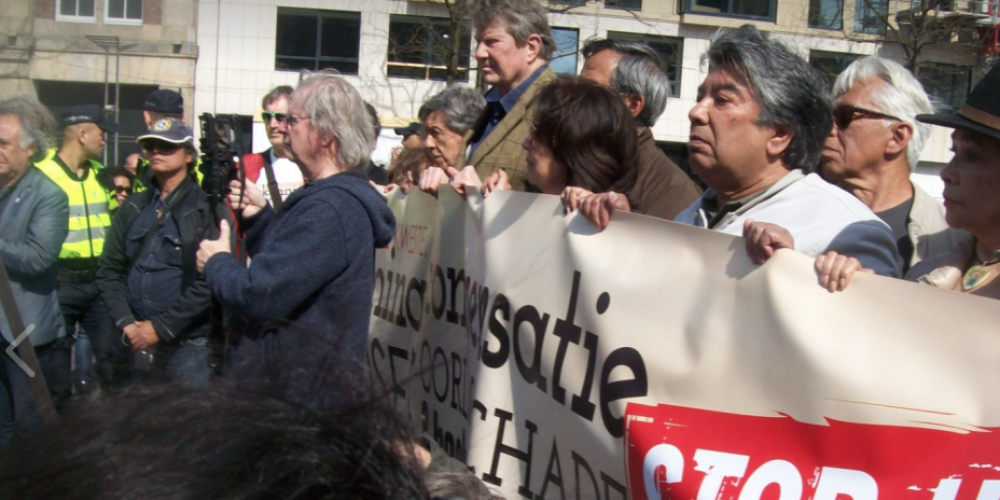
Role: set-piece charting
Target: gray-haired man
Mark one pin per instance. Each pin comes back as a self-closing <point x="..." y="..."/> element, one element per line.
<point x="635" y="71"/>
<point x="34" y="222"/>
<point x="757" y="130"/>
<point x="874" y="146"/>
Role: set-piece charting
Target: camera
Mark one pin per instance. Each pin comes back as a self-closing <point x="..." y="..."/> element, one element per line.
<point x="220" y="154"/>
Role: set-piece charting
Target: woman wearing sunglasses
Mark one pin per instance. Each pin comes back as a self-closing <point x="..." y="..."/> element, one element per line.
<point x="971" y="200"/>
<point x="147" y="271"/>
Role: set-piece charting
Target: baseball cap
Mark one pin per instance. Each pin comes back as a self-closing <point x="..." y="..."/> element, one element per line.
<point x="164" y="101"/>
<point x="412" y="128"/>
<point x="171" y="130"/>
<point x="87" y="113"/>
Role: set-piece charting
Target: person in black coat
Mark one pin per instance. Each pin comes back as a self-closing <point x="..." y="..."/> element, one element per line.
<point x="147" y="272"/>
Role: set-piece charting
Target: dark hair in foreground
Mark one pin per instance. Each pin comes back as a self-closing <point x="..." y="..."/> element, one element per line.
<point x="791" y="94"/>
<point x="591" y="131"/>
<point x="163" y="442"/>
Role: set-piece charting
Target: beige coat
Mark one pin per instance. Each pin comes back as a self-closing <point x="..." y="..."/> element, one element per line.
<point x="947" y="270"/>
<point x="928" y="230"/>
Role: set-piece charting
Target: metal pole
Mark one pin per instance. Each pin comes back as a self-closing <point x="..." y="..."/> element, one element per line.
<point x="118" y="59"/>
<point x="107" y="62"/>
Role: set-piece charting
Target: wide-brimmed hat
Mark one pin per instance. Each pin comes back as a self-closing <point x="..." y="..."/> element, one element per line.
<point x="171" y="130"/>
<point x="88" y="113"/>
<point x="981" y="111"/>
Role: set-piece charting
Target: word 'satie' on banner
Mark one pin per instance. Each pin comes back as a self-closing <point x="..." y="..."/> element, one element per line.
<point x="514" y="336"/>
<point x="675" y="452"/>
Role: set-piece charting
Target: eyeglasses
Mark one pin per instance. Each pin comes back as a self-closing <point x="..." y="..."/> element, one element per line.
<point x="160" y="147"/>
<point x="294" y="120"/>
<point x="123" y="189"/>
<point x="844" y="115"/>
<point x="268" y="116"/>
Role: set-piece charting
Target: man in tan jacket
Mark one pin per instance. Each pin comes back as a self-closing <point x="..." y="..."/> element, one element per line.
<point x="514" y="46"/>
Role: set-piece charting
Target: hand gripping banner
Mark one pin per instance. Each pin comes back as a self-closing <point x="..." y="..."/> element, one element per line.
<point x="515" y="336"/>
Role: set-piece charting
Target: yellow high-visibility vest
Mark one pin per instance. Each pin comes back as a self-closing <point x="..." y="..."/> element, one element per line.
<point x="89" y="218"/>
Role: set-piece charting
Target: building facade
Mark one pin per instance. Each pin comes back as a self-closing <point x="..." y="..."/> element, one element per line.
<point x="108" y="52"/>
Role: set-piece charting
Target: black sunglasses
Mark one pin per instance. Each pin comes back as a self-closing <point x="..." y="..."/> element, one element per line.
<point x="268" y="116"/>
<point x="844" y="115"/>
<point x="161" y="147"/>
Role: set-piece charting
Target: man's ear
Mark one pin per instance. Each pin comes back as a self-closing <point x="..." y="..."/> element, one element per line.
<point x="81" y="135"/>
<point x="534" y="44"/>
<point x="635" y="103"/>
<point x="779" y="141"/>
<point x="902" y="133"/>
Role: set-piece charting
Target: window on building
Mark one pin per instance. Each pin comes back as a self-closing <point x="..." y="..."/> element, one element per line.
<point x="831" y="64"/>
<point x="870" y="16"/>
<point x="129" y="11"/>
<point x="567" y="46"/>
<point x="317" y="39"/>
<point x="75" y="10"/>
<point x="826" y="14"/>
<point x="421" y="47"/>
<point x="750" y="9"/>
<point x="632" y="5"/>
<point x="671" y="50"/>
<point x="948" y="83"/>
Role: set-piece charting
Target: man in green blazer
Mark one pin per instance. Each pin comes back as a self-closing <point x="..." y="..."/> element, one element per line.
<point x="514" y="46"/>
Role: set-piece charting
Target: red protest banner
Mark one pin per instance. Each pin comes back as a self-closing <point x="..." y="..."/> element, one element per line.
<point x="675" y="453"/>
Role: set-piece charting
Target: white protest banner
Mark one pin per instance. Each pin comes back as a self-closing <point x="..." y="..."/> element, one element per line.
<point x="515" y="336"/>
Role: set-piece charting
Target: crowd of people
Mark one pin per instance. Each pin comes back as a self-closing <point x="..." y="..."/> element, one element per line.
<point x="132" y="277"/>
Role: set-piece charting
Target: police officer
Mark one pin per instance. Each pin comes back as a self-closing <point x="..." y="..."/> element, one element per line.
<point x="74" y="168"/>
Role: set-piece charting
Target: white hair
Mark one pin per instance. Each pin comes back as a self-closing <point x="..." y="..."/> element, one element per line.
<point x="902" y="96"/>
<point x="336" y="110"/>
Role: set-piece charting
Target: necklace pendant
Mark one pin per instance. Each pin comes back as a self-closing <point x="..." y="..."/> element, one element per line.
<point x="974" y="277"/>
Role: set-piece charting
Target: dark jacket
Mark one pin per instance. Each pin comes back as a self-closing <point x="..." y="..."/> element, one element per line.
<point x="307" y="295"/>
<point x="189" y="317"/>
<point x="661" y="189"/>
<point x="33" y="226"/>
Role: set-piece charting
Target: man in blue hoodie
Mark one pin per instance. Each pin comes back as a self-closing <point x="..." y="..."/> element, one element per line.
<point x="307" y="294"/>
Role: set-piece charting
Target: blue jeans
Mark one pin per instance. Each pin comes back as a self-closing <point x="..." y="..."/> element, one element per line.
<point x="187" y="363"/>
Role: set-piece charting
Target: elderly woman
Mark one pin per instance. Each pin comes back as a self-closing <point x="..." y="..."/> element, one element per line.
<point x="971" y="187"/>
<point x="447" y="117"/>
<point x="307" y="294"/>
<point x="583" y="141"/>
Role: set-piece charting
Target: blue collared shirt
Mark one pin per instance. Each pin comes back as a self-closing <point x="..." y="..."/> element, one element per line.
<point x="499" y="105"/>
<point x="154" y="282"/>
